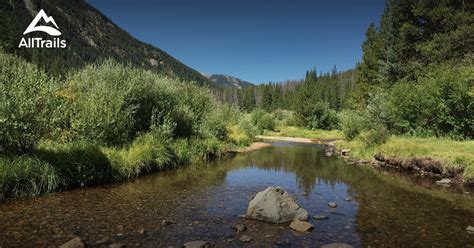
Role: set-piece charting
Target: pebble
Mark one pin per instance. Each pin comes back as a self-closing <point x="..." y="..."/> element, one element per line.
<point x="239" y="228"/>
<point x="470" y="229"/>
<point x="301" y="226"/>
<point x="117" y="245"/>
<point x="196" y="244"/>
<point x="102" y="241"/>
<point x="444" y="181"/>
<point x="73" y="243"/>
<point x="320" y="217"/>
<point x="245" y="238"/>
<point x="166" y="222"/>
<point x="332" y="204"/>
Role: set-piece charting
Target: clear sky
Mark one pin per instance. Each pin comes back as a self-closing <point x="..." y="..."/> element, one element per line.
<point x="256" y="40"/>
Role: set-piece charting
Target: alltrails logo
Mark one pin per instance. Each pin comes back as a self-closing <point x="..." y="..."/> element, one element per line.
<point x="40" y="42"/>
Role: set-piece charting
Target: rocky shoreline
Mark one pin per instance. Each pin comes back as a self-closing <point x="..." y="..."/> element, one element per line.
<point x="422" y="166"/>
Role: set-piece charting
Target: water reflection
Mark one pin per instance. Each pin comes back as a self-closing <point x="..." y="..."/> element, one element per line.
<point x="202" y="202"/>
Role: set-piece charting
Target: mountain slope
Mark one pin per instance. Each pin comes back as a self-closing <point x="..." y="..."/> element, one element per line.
<point x="90" y="37"/>
<point x="228" y="81"/>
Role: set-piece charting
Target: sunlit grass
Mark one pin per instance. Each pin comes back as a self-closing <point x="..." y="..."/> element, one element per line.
<point x="298" y="132"/>
<point x="453" y="153"/>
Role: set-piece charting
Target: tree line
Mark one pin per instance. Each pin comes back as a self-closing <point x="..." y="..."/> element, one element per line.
<point x="415" y="77"/>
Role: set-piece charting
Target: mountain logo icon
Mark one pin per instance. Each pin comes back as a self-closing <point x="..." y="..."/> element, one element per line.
<point x="48" y="19"/>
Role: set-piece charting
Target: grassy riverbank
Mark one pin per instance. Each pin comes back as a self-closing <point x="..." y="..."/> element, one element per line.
<point x="451" y="153"/>
<point x="298" y="132"/>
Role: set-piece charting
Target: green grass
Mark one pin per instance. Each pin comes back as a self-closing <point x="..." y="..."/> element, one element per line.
<point x="298" y="132"/>
<point x="452" y="153"/>
<point x="56" y="166"/>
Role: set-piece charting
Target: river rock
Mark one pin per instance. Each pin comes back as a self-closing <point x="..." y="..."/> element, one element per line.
<point x="238" y="228"/>
<point x="470" y="229"/>
<point x="275" y="205"/>
<point x="320" y="217"/>
<point x="345" y="152"/>
<point x="73" y="243"/>
<point x="300" y="226"/>
<point x="196" y="244"/>
<point x="379" y="157"/>
<point x="337" y="245"/>
<point x="117" y="245"/>
<point x="102" y="241"/>
<point x="332" y="204"/>
<point x="444" y="181"/>
<point x="329" y="150"/>
<point x="245" y="238"/>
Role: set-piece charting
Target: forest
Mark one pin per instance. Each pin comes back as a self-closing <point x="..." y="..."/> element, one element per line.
<point x="415" y="77"/>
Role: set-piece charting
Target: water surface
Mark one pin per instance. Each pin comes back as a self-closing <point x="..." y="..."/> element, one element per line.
<point x="203" y="202"/>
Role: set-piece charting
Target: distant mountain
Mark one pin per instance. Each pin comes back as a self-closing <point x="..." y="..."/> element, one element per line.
<point x="228" y="81"/>
<point x="90" y="37"/>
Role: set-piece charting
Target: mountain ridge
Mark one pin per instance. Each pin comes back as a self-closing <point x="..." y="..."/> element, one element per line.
<point x="227" y="81"/>
<point x="91" y="37"/>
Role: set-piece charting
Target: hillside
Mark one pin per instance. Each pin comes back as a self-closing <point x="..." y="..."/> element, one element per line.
<point x="228" y="81"/>
<point x="90" y="37"/>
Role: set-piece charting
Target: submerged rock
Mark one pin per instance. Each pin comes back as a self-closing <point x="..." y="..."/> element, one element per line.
<point x="116" y="245"/>
<point x="320" y="217"/>
<point x="102" y="241"/>
<point x="245" y="238"/>
<point x="332" y="204"/>
<point x="196" y="244"/>
<point x="275" y="205"/>
<point x="73" y="243"/>
<point x="300" y="226"/>
<point x="337" y="245"/>
<point x="470" y="229"/>
<point x="167" y="222"/>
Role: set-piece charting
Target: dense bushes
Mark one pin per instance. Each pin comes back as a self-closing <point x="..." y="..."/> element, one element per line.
<point x="322" y="117"/>
<point x="262" y="120"/>
<point x="26" y="104"/>
<point x="113" y="104"/>
<point x="440" y="102"/>
<point x="352" y="123"/>
<point x="103" y="124"/>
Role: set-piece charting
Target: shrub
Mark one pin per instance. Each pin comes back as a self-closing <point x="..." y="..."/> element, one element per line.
<point x="322" y="117"/>
<point x="440" y="102"/>
<point x="26" y="105"/>
<point x="352" y="123"/>
<point x="375" y="136"/>
<point x="284" y="117"/>
<point x="218" y="120"/>
<point x="114" y="103"/>
<point x="262" y="120"/>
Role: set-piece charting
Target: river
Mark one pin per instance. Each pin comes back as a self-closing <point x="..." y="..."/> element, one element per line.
<point x="202" y="202"/>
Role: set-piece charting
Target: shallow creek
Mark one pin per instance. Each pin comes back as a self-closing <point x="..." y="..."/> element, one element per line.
<point x="202" y="202"/>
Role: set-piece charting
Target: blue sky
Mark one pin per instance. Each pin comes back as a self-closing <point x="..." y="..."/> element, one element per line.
<point x="256" y="40"/>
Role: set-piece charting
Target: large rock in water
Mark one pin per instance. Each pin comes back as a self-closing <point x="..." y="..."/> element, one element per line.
<point x="275" y="205"/>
